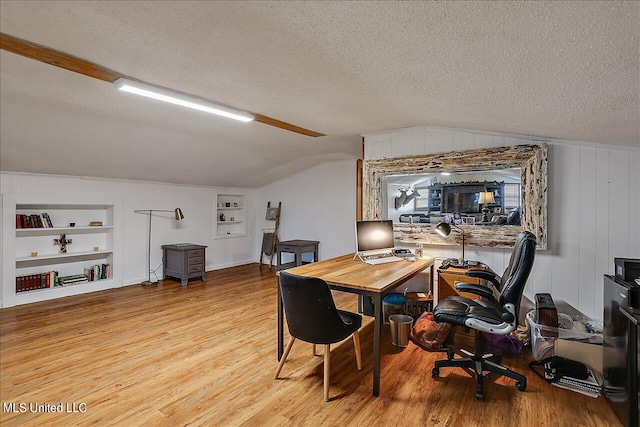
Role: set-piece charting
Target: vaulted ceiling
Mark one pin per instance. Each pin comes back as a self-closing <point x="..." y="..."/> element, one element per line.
<point x="567" y="70"/>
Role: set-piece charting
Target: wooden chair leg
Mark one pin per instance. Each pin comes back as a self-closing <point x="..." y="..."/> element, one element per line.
<point x="356" y="344"/>
<point x="284" y="356"/>
<point x="327" y="368"/>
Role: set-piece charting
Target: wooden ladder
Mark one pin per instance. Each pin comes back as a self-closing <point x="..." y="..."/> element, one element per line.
<point x="275" y="233"/>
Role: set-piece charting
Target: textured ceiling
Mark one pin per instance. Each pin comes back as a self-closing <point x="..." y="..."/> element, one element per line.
<point x="567" y="70"/>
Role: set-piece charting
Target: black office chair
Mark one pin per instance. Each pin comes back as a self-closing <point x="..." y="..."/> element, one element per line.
<point x="312" y="316"/>
<point x="492" y="314"/>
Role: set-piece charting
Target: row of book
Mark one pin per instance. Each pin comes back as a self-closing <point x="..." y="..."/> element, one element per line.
<point x="30" y="282"/>
<point x="97" y="272"/>
<point x="33" y="221"/>
<point x="50" y="279"/>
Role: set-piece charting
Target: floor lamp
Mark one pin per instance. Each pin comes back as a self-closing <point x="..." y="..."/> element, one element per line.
<point x="179" y="216"/>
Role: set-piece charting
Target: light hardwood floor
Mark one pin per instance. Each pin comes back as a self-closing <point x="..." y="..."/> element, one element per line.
<point x="205" y="354"/>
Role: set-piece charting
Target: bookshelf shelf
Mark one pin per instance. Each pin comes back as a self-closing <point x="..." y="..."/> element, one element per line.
<point x="91" y="249"/>
<point x="230" y="235"/>
<point x="20" y="232"/>
<point x="36" y="295"/>
<point x="60" y="257"/>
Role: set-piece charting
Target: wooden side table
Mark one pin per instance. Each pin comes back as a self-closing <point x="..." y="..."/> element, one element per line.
<point x="183" y="261"/>
<point x="417" y="302"/>
<point x="296" y="247"/>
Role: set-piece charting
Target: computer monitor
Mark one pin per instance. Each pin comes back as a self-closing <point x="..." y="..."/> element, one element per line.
<point x="374" y="237"/>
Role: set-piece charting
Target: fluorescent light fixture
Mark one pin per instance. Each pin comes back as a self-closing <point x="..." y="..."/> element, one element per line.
<point x="180" y="99"/>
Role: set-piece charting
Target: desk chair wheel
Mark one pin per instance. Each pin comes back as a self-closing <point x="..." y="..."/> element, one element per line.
<point x="450" y="353"/>
<point x="435" y="372"/>
<point x="521" y="385"/>
<point x="480" y="396"/>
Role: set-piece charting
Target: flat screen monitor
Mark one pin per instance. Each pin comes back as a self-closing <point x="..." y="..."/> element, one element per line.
<point x="374" y="236"/>
<point x="462" y="202"/>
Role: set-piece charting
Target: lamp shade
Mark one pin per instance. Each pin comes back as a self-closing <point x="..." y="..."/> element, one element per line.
<point x="443" y="229"/>
<point x="486" y="197"/>
<point x="179" y="214"/>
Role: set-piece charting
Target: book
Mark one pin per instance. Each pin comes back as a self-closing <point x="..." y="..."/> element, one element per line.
<point x="73" y="280"/>
<point x="48" y="218"/>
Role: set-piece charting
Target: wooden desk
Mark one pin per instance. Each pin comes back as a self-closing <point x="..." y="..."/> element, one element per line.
<point x="376" y="281"/>
<point x="296" y="247"/>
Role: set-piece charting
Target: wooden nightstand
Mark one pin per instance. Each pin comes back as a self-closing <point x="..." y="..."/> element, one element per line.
<point x="183" y="261"/>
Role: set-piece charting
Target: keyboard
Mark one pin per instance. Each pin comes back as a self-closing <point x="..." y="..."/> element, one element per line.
<point x="382" y="260"/>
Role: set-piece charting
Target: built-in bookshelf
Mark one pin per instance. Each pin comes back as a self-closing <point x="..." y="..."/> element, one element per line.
<point x="230" y="216"/>
<point x="59" y="246"/>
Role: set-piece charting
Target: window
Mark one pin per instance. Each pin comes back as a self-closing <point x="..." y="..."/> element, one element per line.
<point x="511" y="196"/>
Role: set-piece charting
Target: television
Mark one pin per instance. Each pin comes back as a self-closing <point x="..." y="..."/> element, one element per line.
<point x="462" y="202"/>
<point x="373" y="237"/>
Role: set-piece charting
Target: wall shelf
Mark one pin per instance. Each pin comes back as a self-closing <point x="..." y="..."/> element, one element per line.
<point x="19" y="243"/>
<point x="231" y="206"/>
<point x="60" y="230"/>
<point x="61" y="257"/>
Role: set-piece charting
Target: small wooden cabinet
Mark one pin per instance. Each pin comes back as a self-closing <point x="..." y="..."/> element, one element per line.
<point x="447" y="280"/>
<point x="184" y="261"/>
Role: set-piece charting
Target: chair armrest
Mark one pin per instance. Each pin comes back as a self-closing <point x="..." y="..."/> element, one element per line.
<point x="486" y="275"/>
<point x="486" y="293"/>
<point x="476" y="289"/>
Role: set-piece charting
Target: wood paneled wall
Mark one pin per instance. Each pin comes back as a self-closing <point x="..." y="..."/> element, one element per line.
<point x="593" y="208"/>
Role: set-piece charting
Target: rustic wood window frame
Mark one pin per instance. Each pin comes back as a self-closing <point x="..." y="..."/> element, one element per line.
<point x="532" y="161"/>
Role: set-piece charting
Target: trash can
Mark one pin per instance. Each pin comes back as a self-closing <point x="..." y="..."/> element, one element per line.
<point x="400" y="329"/>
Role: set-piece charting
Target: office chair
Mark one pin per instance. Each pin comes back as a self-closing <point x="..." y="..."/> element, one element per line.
<point x="312" y="316"/>
<point x="490" y="314"/>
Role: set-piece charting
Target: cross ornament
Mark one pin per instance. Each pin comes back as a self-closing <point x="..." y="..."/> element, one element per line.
<point x="63" y="242"/>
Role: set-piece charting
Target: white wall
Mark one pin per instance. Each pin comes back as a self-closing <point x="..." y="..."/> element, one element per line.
<point x="593" y="208"/>
<point x="198" y="205"/>
<point x="317" y="204"/>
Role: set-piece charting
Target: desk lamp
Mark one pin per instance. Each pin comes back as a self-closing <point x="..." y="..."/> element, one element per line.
<point x="179" y="215"/>
<point x="444" y="228"/>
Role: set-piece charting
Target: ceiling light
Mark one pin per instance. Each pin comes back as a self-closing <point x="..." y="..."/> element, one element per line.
<point x="180" y="99"/>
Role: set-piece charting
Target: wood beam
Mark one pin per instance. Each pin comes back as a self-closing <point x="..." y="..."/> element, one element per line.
<point x="96" y="71"/>
<point x="57" y="58"/>
<point x="286" y="126"/>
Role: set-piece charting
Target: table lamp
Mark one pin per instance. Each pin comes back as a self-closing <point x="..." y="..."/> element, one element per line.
<point x="486" y="197"/>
